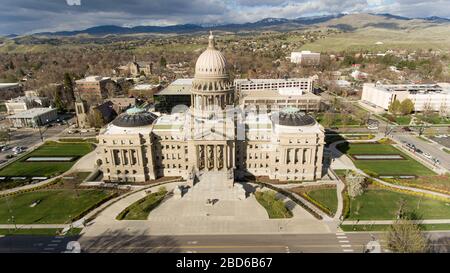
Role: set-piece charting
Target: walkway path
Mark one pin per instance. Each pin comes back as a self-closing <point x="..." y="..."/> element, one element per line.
<point x="189" y="216"/>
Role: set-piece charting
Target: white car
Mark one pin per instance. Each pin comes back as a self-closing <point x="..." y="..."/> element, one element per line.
<point x="427" y="155"/>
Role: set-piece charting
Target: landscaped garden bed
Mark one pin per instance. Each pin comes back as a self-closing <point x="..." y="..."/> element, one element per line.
<point x="424" y="227"/>
<point x="275" y="208"/>
<point x="142" y="208"/>
<point x="323" y="197"/>
<point x="438" y="183"/>
<point x="378" y="157"/>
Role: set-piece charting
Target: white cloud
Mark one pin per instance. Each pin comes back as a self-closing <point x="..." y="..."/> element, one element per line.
<point x="25" y="16"/>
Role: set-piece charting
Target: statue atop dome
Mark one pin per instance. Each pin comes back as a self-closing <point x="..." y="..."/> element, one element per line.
<point x="211" y="43"/>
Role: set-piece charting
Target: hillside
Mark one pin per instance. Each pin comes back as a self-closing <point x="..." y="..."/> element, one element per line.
<point x="362" y="31"/>
<point x="349" y="22"/>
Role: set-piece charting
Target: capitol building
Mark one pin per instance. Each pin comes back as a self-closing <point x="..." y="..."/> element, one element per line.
<point x="214" y="134"/>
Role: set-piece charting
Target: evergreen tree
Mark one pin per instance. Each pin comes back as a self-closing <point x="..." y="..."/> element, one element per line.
<point x="407" y="107"/>
<point x="162" y="62"/>
<point x="68" y="85"/>
<point x="394" y="107"/>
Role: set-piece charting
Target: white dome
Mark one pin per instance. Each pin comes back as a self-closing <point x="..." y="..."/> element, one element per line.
<point x="211" y="63"/>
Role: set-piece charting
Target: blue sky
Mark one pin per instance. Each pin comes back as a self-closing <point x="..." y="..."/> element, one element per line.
<point x="27" y="16"/>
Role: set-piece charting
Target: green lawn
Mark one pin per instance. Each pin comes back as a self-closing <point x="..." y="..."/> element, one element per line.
<point x="425" y="227"/>
<point x="48" y="169"/>
<point x="441" y="182"/>
<point x="39" y="232"/>
<point x="55" y="207"/>
<point x="327" y="197"/>
<point x="434" y="119"/>
<point x="381" y="204"/>
<point x="338" y="119"/>
<point x="409" y="166"/>
<point x="403" y="120"/>
<point x="275" y="208"/>
<point x="142" y="208"/>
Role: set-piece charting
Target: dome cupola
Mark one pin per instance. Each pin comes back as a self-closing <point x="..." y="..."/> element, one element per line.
<point x="292" y="116"/>
<point x="211" y="63"/>
<point x="135" y="117"/>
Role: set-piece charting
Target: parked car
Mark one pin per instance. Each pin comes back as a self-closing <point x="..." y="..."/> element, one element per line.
<point x="427" y="155"/>
<point x="419" y="151"/>
<point x="5" y="148"/>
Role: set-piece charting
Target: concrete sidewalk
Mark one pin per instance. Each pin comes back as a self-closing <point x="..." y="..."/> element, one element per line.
<point x="185" y="221"/>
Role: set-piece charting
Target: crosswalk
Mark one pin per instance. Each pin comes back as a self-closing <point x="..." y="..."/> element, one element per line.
<point x="53" y="244"/>
<point x="344" y="242"/>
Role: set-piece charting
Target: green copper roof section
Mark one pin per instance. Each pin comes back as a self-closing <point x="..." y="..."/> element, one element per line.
<point x="135" y="110"/>
<point x="290" y="110"/>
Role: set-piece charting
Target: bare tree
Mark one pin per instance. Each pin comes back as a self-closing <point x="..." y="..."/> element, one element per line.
<point x="405" y="235"/>
<point x="356" y="183"/>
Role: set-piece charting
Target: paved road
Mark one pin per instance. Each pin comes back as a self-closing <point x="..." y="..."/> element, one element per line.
<point x="428" y="147"/>
<point x="29" y="137"/>
<point x="350" y="242"/>
<point x="35" y="244"/>
<point x="302" y="243"/>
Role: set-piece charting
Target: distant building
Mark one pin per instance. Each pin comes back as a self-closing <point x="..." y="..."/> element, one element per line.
<point x="92" y="88"/>
<point x="434" y="97"/>
<point x="343" y="83"/>
<point x="277" y="100"/>
<point x="144" y="91"/>
<point x="250" y="85"/>
<point x="275" y="94"/>
<point x="10" y="90"/>
<point x="305" y="58"/>
<point x="82" y="110"/>
<point x="34" y="117"/>
<point x="177" y="93"/>
<point x="121" y="104"/>
<point x="23" y="103"/>
<point x="135" y="69"/>
<point x="358" y="75"/>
